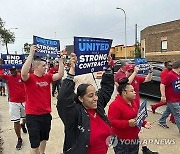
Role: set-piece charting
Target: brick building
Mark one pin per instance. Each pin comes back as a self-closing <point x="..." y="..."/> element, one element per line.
<point x="118" y="51"/>
<point x="161" y="42"/>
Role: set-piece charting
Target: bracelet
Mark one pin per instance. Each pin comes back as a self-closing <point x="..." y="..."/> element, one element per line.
<point x="70" y="76"/>
<point x="150" y="71"/>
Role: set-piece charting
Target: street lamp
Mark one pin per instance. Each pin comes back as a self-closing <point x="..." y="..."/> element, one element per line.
<point x="125" y="37"/>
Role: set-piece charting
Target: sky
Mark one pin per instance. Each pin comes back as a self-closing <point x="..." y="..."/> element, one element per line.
<point x="64" y="19"/>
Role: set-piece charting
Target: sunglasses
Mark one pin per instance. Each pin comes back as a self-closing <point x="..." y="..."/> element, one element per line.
<point x="131" y="71"/>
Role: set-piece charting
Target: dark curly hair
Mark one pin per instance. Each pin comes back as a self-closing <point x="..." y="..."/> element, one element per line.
<point x="122" y="85"/>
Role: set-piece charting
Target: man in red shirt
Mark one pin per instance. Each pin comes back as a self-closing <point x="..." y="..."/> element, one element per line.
<point x="2" y="82"/>
<point x="135" y="81"/>
<point x="121" y="72"/>
<point x="168" y="68"/>
<point x="56" y="84"/>
<point x="16" y="102"/>
<point x="170" y="93"/>
<point x="38" y="103"/>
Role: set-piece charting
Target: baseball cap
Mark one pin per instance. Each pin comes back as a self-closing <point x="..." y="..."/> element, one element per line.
<point x="129" y="67"/>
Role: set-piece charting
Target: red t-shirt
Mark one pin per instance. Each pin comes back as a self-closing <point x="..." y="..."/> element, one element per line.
<point x="172" y="95"/>
<point x="16" y="88"/>
<point x="164" y="73"/>
<point x="119" y="114"/>
<point x="111" y="63"/>
<point x="1" y="71"/>
<point x="38" y="94"/>
<point x="136" y="84"/>
<point x="119" y="75"/>
<point x="53" y="70"/>
<point x="99" y="132"/>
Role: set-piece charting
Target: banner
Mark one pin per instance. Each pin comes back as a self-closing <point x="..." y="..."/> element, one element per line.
<point x="46" y="47"/>
<point x="12" y="61"/>
<point x="143" y="65"/>
<point x="91" y="53"/>
<point x="142" y="114"/>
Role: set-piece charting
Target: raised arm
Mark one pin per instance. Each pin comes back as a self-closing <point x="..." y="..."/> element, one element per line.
<point x="60" y="73"/>
<point x="107" y="86"/>
<point x="66" y="106"/>
<point x="27" y="65"/>
<point x="149" y="76"/>
<point x="132" y="76"/>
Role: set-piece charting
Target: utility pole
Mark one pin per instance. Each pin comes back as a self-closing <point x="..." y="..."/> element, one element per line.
<point x="137" y="49"/>
<point x="135" y="34"/>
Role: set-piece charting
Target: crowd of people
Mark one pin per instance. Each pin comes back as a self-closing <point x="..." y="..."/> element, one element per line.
<point x="82" y="111"/>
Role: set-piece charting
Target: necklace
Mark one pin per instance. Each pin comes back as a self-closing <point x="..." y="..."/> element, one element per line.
<point x="94" y="115"/>
<point x="91" y="113"/>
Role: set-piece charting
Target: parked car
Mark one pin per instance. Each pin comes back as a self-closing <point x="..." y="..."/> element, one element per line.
<point x="152" y="88"/>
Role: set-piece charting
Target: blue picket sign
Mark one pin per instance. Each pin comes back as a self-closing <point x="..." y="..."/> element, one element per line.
<point x="91" y="53"/>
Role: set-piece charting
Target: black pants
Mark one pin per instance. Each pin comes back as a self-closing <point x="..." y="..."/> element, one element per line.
<point x="56" y="85"/>
<point x="127" y="146"/>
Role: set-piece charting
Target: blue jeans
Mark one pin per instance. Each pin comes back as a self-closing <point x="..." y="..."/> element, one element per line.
<point x="124" y="147"/>
<point x="173" y="108"/>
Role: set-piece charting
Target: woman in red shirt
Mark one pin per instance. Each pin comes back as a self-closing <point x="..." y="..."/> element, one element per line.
<point x="122" y="116"/>
<point x="86" y="125"/>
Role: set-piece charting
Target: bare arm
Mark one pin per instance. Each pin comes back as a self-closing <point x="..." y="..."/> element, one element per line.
<point x="149" y="76"/>
<point x="73" y="63"/>
<point x="131" y="78"/>
<point x="162" y="90"/>
<point x="26" y="66"/>
<point x="60" y="73"/>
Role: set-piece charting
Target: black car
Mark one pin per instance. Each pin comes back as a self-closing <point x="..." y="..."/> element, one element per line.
<point x="152" y="88"/>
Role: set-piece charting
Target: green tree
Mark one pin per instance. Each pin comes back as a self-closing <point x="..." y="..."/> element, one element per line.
<point x="137" y="50"/>
<point x="27" y="47"/>
<point x="6" y="36"/>
<point x="1" y="28"/>
<point x="1" y="23"/>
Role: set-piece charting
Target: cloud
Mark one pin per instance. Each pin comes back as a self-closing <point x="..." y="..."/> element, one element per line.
<point x="64" y="19"/>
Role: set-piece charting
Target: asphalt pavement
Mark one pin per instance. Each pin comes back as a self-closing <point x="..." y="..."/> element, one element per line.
<point x="164" y="141"/>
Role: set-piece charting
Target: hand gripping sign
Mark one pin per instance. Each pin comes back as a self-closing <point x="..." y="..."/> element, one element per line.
<point x="92" y="54"/>
<point x="142" y="114"/>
